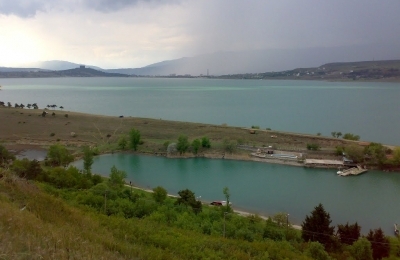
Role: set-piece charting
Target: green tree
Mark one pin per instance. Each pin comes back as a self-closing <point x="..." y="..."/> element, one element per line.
<point x="338" y="134"/>
<point x="361" y="249"/>
<point x="396" y="157"/>
<point x="183" y="144"/>
<point x="187" y="198"/>
<point x="205" y="142"/>
<point x="317" y="227"/>
<point x="333" y="134"/>
<point x="376" y="153"/>
<point x="27" y="169"/>
<point x="134" y="138"/>
<point x="349" y="136"/>
<point x="159" y="194"/>
<point x="117" y="178"/>
<point x="5" y="156"/>
<point x="355" y="152"/>
<point x="313" y="147"/>
<point x="227" y="195"/>
<point x="379" y="243"/>
<point x="87" y="160"/>
<point x="122" y="143"/>
<point x="196" y="144"/>
<point x="58" y="155"/>
<point x="348" y="234"/>
<point x="316" y="251"/>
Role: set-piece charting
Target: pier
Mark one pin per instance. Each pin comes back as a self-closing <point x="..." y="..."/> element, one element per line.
<point x="352" y="171"/>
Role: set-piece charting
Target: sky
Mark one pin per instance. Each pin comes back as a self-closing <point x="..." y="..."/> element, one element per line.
<point x="136" y="33"/>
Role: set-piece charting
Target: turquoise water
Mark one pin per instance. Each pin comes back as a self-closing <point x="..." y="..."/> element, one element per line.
<point x="367" y="109"/>
<point x="370" y="199"/>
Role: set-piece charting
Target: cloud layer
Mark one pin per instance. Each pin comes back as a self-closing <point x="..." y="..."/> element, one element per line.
<point x="122" y="33"/>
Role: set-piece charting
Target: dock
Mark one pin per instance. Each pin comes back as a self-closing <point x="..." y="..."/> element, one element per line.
<point x="353" y="171"/>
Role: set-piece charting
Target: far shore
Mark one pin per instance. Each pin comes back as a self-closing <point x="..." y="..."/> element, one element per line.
<point x="26" y="129"/>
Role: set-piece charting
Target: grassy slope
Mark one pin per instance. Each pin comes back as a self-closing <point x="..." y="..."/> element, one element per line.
<point x="49" y="228"/>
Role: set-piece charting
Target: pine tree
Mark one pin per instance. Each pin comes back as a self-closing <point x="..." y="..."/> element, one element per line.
<point x="380" y="244"/>
<point x="348" y="234"/>
<point x="317" y="227"/>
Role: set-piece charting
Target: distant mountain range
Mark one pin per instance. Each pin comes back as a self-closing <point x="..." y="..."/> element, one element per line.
<point x="228" y="63"/>
<point x="76" y="72"/>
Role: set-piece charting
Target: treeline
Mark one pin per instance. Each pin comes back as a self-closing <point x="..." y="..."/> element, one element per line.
<point x="180" y="227"/>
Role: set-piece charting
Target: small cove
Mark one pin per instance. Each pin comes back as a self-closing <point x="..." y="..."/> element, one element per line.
<point x="266" y="189"/>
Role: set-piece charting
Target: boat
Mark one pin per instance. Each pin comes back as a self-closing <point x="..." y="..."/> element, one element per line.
<point x="339" y="172"/>
<point x="220" y="203"/>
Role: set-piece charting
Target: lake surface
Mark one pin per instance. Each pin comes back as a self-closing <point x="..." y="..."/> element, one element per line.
<point x="370" y="199"/>
<point x="370" y="110"/>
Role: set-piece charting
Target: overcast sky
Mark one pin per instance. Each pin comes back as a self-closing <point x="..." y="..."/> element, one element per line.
<point x="135" y="33"/>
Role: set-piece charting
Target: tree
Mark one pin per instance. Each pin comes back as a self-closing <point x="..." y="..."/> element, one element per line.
<point x="134" y="138"/>
<point x="338" y="134"/>
<point x="117" y="178"/>
<point x="333" y="134"/>
<point x="58" y="155"/>
<point x="196" y="144"/>
<point x="349" y="136"/>
<point x="361" y="249"/>
<point x="379" y="243"/>
<point x="355" y="152"/>
<point x="122" y="143"/>
<point x="317" y="227"/>
<point x="316" y="251"/>
<point x="376" y="153"/>
<point x="348" y="234"/>
<point x="227" y="195"/>
<point x="187" y="198"/>
<point x="205" y="142"/>
<point x="183" y="144"/>
<point x="313" y="147"/>
<point x="5" y="156"/>
<point x="27" y="169"/>
<point x="87" y="160"/>
<point x="159" y="194"/>
<point x="396" y="157"/>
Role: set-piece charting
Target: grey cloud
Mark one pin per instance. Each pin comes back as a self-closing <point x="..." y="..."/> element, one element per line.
<point x="29" y="8"/>
<point x="21" y="8"/>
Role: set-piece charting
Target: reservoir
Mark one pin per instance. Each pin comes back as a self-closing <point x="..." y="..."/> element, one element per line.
<point x="371" y="199"/>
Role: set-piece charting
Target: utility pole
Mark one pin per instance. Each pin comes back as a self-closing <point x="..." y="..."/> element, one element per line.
<point x="287" y="224"/>
<point x="224" y="222"/>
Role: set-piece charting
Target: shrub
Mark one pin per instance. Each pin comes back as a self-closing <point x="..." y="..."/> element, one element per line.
<point x="52" y="134"/>
<point x="313" y="147"/>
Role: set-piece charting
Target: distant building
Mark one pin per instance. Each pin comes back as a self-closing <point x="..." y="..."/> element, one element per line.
<point x="82" y="66"/>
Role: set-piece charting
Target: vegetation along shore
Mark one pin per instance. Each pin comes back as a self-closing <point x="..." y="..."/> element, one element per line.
<point x="49" y="210"/>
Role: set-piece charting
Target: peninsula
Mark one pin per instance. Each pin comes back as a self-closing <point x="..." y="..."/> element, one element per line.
<point x="34" y="129"/>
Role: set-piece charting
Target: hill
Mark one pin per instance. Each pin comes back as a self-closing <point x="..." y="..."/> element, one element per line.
<point x="76" y="72"/>
<point x="385" y="70"/>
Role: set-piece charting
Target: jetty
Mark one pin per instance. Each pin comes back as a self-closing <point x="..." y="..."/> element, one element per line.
<point x="352" y="171"/>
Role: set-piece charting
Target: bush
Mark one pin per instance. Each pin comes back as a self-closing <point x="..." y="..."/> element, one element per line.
<point x="313" y="147"/>
<point x="52" y="134"/>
